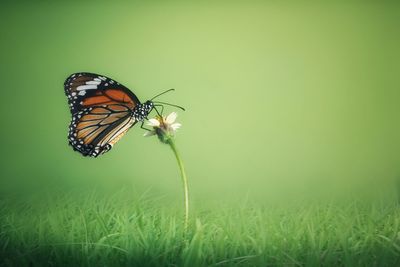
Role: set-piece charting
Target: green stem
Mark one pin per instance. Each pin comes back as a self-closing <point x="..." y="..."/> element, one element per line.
<point x="184" y="181"/>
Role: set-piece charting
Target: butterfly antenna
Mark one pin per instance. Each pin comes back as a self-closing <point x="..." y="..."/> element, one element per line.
<point x="166" y="91"/>
<point x="172" y="105"/>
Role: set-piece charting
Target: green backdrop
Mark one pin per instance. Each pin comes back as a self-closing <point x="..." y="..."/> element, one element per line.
<point x="281" y="98"/>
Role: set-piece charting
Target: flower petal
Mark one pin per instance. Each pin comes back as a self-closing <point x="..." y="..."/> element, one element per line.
<point x="154" y="123"/>
<point x="176" y="126"/>
<point x="149" y="133"/>
<point x="171" y="118"/>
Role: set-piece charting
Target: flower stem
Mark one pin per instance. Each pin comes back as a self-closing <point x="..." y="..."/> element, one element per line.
<point x="184" y="181"/>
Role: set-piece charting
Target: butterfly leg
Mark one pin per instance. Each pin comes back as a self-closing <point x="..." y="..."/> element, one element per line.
<point x="162" y="110"/>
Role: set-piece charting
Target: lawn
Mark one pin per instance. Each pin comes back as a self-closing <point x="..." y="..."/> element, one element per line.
<point x="121" y="230"/>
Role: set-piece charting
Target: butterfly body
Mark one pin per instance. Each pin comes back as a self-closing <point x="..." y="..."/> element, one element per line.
<point x="102" y="110"/>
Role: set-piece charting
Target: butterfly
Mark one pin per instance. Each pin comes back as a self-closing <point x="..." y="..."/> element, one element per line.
<point x="103" y="110"/>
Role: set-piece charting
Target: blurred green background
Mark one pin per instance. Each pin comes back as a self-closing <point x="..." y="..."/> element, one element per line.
<point x="283" y="99"/>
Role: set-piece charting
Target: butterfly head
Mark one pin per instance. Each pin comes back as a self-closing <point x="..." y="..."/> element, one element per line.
<point x="148" y="106"/>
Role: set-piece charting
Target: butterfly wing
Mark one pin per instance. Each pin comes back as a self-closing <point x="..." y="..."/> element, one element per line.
<point x="101" y="112"/>
<point x="88" y="89"/>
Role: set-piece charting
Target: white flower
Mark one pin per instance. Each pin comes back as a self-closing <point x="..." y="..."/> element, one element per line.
<point x="163" y="126"/>
<point x="154" y="123"/>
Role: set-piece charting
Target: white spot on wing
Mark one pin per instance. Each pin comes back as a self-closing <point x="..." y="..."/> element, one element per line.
<point x="86" y="87"/>
<point x="82" y="92"/>
<point x="93" y="82"/>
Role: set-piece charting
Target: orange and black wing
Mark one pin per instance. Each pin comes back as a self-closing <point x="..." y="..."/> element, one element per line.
<point x="84" y="90"/>
<point x="101" y="112"/>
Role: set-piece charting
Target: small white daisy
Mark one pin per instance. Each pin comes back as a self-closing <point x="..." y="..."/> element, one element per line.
<point x="163" y="126"/>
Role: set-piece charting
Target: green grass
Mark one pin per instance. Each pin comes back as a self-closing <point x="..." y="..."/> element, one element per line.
<point x="119" y="230"/>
